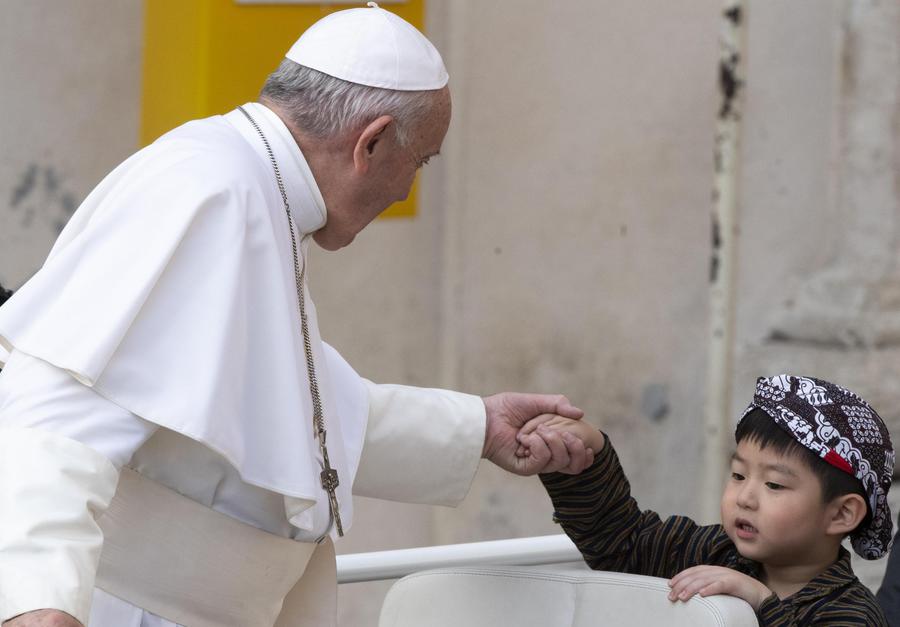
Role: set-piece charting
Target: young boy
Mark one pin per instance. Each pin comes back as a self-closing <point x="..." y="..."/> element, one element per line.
<point x="813" y="465"/>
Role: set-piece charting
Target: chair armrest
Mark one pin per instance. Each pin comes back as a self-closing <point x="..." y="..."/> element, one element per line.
<point x="530" y="596"/>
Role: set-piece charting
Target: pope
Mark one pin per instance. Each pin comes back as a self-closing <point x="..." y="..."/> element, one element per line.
<point x="178" y="446"/>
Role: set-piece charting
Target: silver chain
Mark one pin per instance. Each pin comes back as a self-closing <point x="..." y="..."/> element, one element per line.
<point x="329" y="476"/>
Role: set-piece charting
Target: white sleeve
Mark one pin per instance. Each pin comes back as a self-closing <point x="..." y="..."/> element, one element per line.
<point x="61" y="446"/>
<point x="422" y="445"/>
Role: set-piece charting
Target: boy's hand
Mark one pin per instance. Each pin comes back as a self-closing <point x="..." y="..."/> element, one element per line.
<point x="549" y="427"/>
<point x="507" y="413"/>
<point x="709" y="580"/>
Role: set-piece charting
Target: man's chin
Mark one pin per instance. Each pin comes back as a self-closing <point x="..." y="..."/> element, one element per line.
<point x="331" y="242"/>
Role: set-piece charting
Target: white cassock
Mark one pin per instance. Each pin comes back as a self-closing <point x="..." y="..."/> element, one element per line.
<point x="162" y="335"/>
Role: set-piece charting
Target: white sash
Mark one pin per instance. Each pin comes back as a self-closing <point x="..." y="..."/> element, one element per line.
<point x="197" y="567"/>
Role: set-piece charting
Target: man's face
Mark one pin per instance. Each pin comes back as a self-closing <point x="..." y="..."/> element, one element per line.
<point x="772" y="507"/>
<point x="389" y="177"/>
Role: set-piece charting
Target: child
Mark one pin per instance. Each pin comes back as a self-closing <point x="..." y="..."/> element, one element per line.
<point x="813" y="465"/>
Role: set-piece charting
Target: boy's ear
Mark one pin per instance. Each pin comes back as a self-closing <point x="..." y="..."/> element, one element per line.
<point x="845" y="513"/>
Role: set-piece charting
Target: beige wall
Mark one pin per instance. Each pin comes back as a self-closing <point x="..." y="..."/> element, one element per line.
<point x="69" y="105"/>
<point x="563" y="239"/>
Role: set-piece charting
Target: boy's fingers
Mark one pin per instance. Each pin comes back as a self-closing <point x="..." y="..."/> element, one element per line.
<point x="715" y="587"/>
<point x="688" y="582"/>
<point x="681" y="576"/>
<point x="689" y="573"/>
<point x="694" y="586"/>
<point x="539" y="454"/>
<point x="531" y="441"/>
<point x="578" y="456"/>
<point x="677" y="590"/>
<point x="559" y="455"/>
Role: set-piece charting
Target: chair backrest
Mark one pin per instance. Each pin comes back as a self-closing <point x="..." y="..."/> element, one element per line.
<point x="531" y="596"/>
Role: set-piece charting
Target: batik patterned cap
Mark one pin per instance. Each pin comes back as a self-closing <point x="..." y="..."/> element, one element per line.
<point x="844" y="430"/>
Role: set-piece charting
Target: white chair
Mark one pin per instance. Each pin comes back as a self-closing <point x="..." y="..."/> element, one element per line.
<point x="529" y="596"/>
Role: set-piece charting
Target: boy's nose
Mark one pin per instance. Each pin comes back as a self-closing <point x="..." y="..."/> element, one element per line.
<point x="746" y="497"/>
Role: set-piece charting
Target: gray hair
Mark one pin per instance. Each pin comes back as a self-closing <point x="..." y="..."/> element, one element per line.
<point x="324" y="106"/>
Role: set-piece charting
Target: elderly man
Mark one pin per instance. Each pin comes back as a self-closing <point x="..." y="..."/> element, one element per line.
<point x="166" y="398"/>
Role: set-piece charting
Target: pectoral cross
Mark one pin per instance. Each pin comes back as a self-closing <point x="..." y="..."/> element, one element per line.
<point x="330" y="483"/>
<point x="328" y="475"/>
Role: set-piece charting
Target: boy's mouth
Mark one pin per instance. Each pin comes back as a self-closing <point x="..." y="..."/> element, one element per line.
<point x="744" y="529"/>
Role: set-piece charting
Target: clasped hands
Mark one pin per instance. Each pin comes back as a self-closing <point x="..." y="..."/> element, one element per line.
<point x="517" y="441"/>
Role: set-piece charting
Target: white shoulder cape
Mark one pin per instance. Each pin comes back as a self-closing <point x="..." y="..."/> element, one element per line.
<point x="171" y="292"/>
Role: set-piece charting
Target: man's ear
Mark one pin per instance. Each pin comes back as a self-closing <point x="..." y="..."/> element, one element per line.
<point x="845" y="513"/>
<point x="368" y="142"/>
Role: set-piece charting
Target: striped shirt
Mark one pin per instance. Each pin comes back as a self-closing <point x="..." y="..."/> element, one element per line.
<point x="598" y="513"/>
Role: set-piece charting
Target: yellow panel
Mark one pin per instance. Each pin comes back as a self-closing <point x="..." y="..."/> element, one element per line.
<point x="175" y="78"/>
<point x="205" y="57"/>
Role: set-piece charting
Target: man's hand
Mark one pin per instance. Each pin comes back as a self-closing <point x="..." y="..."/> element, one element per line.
<point x="557" y="451"/>
<point x="43" y="618"/>
<point x="709" y="580"/>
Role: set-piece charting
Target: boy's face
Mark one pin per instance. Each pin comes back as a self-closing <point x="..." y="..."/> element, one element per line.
<point x="772" y="507"/>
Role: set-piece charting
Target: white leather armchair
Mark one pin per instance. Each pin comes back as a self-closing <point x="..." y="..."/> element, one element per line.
<point x="528" y="596"/>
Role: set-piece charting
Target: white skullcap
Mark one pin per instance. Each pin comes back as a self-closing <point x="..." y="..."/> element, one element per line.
<point x="372" y="47"/>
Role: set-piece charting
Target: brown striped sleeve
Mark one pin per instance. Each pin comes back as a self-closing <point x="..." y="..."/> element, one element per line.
<point x="849" y="605"/>
<point x="597" y="511"/>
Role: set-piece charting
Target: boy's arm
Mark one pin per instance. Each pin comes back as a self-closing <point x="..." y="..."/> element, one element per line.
<point x="597" y="511"/>
<point x="775" y="612"/>
<point x="849" y="608"/>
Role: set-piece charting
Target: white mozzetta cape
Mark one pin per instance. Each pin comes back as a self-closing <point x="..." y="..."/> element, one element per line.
<point x="171" y="292"/>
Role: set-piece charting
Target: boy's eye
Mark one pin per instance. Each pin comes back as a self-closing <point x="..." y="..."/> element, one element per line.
<point x="774" y="486"/>
<point x="737" y="476"/>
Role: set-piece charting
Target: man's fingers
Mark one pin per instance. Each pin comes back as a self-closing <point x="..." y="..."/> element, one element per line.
<point x="552" y="404"/>
<point x="559" y="404"/>
<point x="532" y="425"/>
<point x="567" y="409"/>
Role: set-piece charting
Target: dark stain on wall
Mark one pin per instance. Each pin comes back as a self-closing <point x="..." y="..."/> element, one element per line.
<point x="41" y="192"/>
<point x="733" y="15"/>
<point x="729" y="84"/>
<point x="716" y="248"/>
<point x="655" y="401"/>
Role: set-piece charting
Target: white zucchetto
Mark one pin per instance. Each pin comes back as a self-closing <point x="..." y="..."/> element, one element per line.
<point x="371" y="46"/>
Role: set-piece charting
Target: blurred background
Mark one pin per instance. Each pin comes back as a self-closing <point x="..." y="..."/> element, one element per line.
<point x="568" y="239"/>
